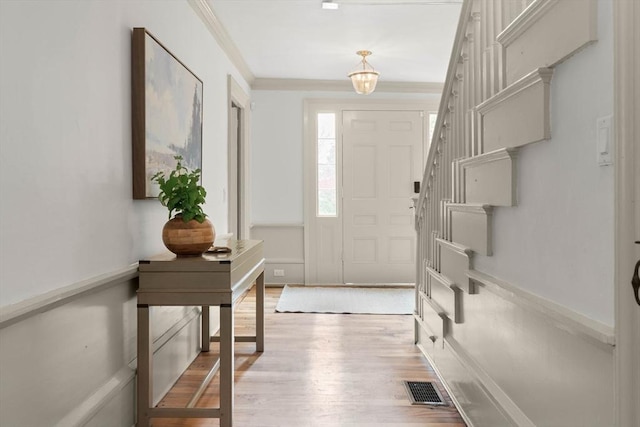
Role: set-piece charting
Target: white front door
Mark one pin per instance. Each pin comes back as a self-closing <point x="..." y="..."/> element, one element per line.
<point x="382" y="158"/>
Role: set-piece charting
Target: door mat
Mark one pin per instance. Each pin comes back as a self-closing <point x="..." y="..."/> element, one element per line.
<point x="317" y="299"/>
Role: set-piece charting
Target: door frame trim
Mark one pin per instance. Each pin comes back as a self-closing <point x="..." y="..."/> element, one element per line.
<point x="313" y="106"/>
<point x="238" y="97"/>
<point x="626" y="65"/>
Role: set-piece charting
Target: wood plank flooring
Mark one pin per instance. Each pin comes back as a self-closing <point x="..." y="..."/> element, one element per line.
<point x="318" y="370"/>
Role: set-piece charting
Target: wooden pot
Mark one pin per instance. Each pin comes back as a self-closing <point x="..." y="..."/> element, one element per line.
<point x="188" y="238"/>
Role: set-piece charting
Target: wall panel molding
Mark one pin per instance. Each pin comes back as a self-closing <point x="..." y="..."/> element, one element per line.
<point x="89" y="332"/>
<point x="445" y="294"/>
<point x="525" y="20"/>
<point x="16" y="312"/>
<point x="91" y="407"/>
<point x="455" y="263"/>
<point x="517" y="115"/>
<point x="471" y="226"/>
<point x="511" y="345"/>
<point x="540" y="36"/>
<point x="474" y="403"/>
<point x="489" y="385"/>
<point x="489" y="178"/>
<point x="433" y="319"/>
<point x="562" y="317"/>
<point x="284" y="250"/>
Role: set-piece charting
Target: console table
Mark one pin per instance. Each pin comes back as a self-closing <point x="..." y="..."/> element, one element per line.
<point x="213" y="279"/>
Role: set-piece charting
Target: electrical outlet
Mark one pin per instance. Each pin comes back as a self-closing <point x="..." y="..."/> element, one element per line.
<point x="278" y="273"/>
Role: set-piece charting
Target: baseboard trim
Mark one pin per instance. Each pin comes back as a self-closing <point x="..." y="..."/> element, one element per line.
<point x="446" y="386"/>
<point x="493" y="390"/>
<point x="283" y="261"/>
<point x="276" y="225"/>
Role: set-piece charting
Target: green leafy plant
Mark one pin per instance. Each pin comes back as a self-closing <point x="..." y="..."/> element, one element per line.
<point x="181" y="192"/>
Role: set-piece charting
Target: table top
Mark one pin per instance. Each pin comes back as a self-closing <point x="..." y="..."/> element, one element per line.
<point x="211" y="279"/>
<point x="240" y="251"/>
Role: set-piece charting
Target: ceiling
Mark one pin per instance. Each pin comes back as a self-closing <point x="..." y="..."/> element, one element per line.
<point x="411" y="40"/>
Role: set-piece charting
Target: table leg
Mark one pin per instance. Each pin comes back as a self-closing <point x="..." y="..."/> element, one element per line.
<point x="260" y="313"/>
<point x="144" y="387"/>
<point x="206" y="335"/>
<point x="226" y="365"/>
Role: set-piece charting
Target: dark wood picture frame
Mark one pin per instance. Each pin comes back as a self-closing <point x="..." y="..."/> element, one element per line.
<point x="166" y="113"/>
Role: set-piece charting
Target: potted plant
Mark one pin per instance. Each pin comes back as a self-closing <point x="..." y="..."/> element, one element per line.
<point x="189" y="232"/>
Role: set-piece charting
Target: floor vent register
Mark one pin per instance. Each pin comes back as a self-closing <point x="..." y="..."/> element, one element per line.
<point x="423" y="393"/>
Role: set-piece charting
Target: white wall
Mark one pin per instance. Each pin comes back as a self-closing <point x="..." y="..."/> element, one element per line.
<point x="277" y="135"/>
<point x="66" y="208"/>
<point x="558" y="242"/>
<point x="65" y="137"/>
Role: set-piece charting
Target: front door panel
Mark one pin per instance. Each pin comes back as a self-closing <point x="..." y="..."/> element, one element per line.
<point x="382" y="157"/>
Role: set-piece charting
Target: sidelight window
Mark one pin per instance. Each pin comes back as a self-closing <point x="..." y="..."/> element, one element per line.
<point x="326" y="189"/>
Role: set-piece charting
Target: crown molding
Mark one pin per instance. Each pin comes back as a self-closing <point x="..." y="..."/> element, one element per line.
<point x="342" y="86"/>
<point x="221" y="35"/>
<point x="204" y="11"/>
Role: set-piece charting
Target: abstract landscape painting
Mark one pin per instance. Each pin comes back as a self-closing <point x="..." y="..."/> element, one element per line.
<point x="167" y="113"/>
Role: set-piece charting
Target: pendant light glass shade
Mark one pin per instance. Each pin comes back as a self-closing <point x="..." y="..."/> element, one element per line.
<point x="364" y="78"/>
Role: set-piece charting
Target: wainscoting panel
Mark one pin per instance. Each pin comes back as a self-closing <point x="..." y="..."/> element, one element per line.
<point x="455" y="261"/>
<point x="475" y="404"/>
<point x="546" y="33"/>
<point x="283" y="250"/>
<point x="517" y="115"/>
<point x="490" y="178"/>
<point x="471" y="226"/>
<point x="433" y="319"/>
<point x="74" y="355"/>
<point x="541" y="364"/>
<point x="446" y="295"/>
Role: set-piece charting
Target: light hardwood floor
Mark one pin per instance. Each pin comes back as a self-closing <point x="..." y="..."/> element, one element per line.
<point x="318" y="370"/>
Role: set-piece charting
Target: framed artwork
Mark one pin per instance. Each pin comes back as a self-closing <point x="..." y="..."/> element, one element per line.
<point x="166" y="113"/>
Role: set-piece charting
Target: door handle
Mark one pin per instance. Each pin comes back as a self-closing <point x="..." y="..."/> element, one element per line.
<point x="635" y="280"/>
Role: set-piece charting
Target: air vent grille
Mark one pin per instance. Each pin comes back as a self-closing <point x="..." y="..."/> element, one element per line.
<point x="423" y="393"/>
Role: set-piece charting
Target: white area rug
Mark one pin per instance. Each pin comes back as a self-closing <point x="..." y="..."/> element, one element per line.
<point x="315" y="299"/>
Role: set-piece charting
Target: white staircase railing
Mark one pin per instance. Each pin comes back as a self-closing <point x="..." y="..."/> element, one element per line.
<point x="476" y="72"/>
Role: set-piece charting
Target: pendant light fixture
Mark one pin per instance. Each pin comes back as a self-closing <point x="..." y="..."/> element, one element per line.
<point x="364" y="78"/>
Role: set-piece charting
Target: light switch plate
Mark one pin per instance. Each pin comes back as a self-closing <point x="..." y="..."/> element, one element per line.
<point x="605" y="140"/>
